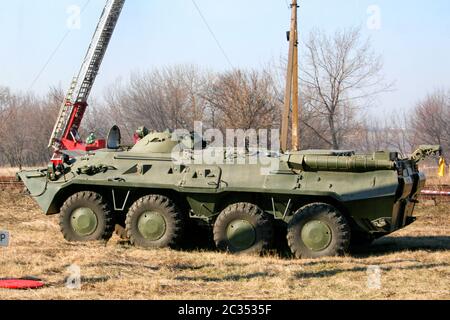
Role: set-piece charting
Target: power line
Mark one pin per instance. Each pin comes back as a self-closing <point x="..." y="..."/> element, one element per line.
<point x="52" y="55"/>
<point x="212" y="33"/>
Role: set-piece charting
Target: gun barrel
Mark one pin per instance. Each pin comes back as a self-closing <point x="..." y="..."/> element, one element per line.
<point x="340" y="163"/>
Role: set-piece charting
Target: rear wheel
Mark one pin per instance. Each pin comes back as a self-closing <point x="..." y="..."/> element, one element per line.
<point x="243" y="228"/>
<point x="318" y="230"/>
<point x="154" y="222"/>
<point x="85" y="216"/>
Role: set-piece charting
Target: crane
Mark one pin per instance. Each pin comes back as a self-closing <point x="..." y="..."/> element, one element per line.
<point x="65" y="133"/>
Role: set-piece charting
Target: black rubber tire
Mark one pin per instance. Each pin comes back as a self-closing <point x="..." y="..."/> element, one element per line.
<point x="98" y="205"/>
<point x="248" y="212"/>
<point x="173" y="218"/>
<point x="325" y="213"/>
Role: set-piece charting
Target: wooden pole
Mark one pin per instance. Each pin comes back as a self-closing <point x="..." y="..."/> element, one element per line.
<point x="295" y="109"/>
<point x="289" y="82"/>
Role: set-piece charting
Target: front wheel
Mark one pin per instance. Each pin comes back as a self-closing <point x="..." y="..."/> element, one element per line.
<point x="86" y="216"/>
<point x="318" y="230"/>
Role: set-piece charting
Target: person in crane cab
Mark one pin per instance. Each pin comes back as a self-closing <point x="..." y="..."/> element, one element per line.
<point x="140" y="134"/>
<point x="91" y="138"/>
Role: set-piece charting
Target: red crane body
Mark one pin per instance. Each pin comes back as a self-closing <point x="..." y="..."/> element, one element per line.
<point x="65" y="135"/>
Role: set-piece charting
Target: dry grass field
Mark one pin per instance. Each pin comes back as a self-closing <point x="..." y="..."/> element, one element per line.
<point x="415" y="264"/>
<point x="10" y="172"/>
<point x="433" y="179"/>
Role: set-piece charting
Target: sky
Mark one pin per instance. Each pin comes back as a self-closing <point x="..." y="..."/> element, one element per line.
<point x="413" y="36"/>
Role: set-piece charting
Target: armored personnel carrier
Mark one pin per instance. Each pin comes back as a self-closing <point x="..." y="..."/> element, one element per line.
<point x="324" y="199"/>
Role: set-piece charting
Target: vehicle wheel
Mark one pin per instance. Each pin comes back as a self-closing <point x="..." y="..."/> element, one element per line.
<point x="318" y="230"/>
<point x="85" y="216"/>
<point x="154" y="222"/>
<point x="243" y="228"/>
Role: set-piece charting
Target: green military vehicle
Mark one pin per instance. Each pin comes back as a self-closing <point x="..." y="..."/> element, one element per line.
<point x="325" y="200"/>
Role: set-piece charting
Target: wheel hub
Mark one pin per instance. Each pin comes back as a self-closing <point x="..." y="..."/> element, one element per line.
<point x="241" y="234"/>
<point x="152" y="226"/>
<point x="316" y="235"/>
<point x="84" y="221"/>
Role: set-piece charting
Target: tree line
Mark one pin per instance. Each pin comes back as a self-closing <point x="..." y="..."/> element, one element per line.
<point x="340" y="79"/>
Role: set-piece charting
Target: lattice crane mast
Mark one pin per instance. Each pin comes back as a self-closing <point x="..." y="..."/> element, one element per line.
<point x="65" y="134"/>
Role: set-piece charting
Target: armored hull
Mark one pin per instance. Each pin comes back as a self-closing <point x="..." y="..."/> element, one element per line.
<point x="325" y="200"/>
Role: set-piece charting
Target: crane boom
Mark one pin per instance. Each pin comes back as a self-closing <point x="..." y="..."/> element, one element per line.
<point x="64" y="135"/>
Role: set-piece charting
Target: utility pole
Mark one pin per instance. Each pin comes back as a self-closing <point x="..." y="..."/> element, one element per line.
<point x="295" y="109"/>
<point x="291" y="93"/>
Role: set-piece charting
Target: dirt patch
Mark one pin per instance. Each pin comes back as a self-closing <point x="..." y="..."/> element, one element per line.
<point x="414" y="264"/>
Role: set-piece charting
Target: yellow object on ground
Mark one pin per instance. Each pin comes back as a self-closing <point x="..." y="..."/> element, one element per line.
<point x="442" y="166"/>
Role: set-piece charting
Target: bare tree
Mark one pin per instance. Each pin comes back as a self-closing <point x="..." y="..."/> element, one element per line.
<point x="25" y="128"/>
<point x="340" y="76"/>
<point x="14" y="131"/>
<point x="430" y="123"/>
<point x="43" y="121"/>
<point x="97" y="120"/>
<point x="4" y="96"/>
<point x="4" y="99"/>
<point x="244" y="100"/>
<point x="168" y="98"/>
<point x="391" y="133"/>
